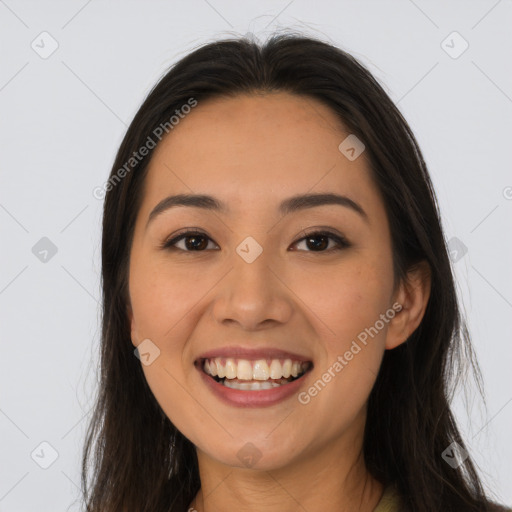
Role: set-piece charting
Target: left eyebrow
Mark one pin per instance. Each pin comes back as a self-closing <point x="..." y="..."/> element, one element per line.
<point x="290" y="205"/>
<point x="303" y="201"/>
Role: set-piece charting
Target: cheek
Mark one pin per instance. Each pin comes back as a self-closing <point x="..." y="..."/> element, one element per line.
<point x="346" y="298"/>
<point x="347" y="304"/>
<point x="161" y="299"/>
<point x="163" y="311"/>
<point x="170" y="389"/>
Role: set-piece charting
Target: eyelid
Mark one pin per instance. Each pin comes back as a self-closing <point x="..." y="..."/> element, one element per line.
<point x="340" y="239"/>
<point x="183" y="233"/>
<point x="317" y="231"/>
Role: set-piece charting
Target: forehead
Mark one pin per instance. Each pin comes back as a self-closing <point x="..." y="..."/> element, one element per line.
<point x="255" y="149"/>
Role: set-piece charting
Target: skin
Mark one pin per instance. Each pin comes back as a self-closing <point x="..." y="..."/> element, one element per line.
<point x="252" y="152"/>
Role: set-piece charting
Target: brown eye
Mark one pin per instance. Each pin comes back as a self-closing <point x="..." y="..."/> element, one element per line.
<point x="194" y="241"/>
<point x="318" y="241"/>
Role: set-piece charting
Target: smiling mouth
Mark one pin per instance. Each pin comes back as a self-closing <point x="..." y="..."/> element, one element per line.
<point x="249" y="375"/>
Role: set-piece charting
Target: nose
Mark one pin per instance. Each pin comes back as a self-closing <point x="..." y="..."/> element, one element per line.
<point x="253" y="295"/>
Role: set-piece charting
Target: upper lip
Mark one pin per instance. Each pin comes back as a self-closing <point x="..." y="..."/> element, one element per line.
<point x="253" y="354"/>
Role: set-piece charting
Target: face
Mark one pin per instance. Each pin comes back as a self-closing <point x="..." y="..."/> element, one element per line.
<point x="256" y="285"/>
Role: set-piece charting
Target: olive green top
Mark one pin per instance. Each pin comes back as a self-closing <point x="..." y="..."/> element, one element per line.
<point x="390" y="501"/>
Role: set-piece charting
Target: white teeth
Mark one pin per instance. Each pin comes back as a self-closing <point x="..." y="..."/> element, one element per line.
<point x="250" y="386"/>
<point x="231" y="369"/>
<point x="244" y="370"/>
<point x="287" y="368"/>
<point x="221" y="370"/>
<point x="210" y="367"/>
<point x="259" y="370"/>
<point x="275" y="369"/>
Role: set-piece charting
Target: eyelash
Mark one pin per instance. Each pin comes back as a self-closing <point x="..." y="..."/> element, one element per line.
<point x="341" y="241"/>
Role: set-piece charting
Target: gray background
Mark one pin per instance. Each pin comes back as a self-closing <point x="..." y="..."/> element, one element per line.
<point x="63" y="118"/>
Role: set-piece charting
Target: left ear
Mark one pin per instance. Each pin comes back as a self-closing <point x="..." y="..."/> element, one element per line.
<point x="133" y="329"/>
<point x="413" y="296"/>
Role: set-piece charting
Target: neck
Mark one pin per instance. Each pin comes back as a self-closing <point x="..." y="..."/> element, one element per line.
<point x="332" y="479"/>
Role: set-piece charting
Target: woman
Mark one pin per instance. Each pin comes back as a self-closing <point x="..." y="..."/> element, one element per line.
<point x="280" y="323"/>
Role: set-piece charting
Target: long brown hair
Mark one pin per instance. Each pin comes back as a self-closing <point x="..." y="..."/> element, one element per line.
<point x="140" y="461"/>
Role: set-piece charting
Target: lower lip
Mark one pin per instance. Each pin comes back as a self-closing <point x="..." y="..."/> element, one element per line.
<point x="259" y="398"/>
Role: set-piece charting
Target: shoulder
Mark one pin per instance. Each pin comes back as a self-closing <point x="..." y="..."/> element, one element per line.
<point x="391" y="502"/>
